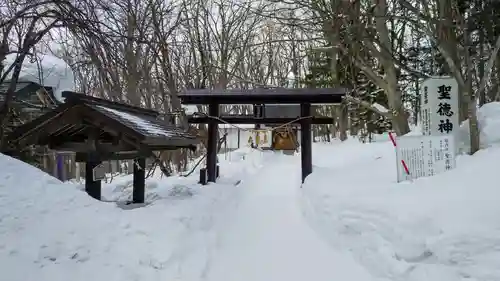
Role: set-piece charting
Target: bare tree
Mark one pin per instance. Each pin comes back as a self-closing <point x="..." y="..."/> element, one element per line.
<point x="449" y="30"/>
<point x="23" y="24"/>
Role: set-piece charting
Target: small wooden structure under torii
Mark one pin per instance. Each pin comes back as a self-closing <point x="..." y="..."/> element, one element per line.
<point x="259" y="97"/>
<point x="98" y="130"/>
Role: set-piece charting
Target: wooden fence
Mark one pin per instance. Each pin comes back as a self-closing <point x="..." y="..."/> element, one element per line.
<point x="64" y="167"/>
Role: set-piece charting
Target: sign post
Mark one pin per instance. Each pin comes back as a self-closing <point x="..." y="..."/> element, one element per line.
<point x="435" y="151"/>
<point x="424" y="156"/>
<point x="393" y="140"/>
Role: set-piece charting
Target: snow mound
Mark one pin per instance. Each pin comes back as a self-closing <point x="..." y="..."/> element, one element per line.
<point x="46" y="70"/>
<point x="54" y="231"/>
<point x="414" y="131"/>
<point x="442" y="228"/>
<point x="488" y="117"/>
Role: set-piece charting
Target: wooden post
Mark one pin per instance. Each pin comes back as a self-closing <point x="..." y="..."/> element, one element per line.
<point x="139" y="189"/>
<point x="213" y="110"/>
<point x="226" y="133"/>
<point x="54" y="164"/>
<point x="93" y="188"/>
<point x="203" y="176"/>
<point x="258" y="113"/>
<point x="71" y="166"/>
<point x="65" y="171"/>
<point x="78" y="174"/>
<point x="130" y="164"/>
<point x="239" y="138"/>
<point x="46" y="162"/>
<point x="305" y="140"/>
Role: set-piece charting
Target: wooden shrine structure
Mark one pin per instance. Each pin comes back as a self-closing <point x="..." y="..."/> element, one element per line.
<point x="259" y="97"/>
<point x="98" y="130"/>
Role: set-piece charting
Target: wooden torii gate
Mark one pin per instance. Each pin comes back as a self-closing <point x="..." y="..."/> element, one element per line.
<point x="259" y="97"/>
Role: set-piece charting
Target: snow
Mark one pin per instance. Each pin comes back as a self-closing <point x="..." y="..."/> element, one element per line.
<point x="489" y="121"/>
<point x="46" y="70"/>
<point x="439" y="228"/>
<point x="268" y="239"/>
<point x="139" y="122"/>
<point x="54" y="231"/>
<point x="380" y="107"/>
<point x="349" y="221"/>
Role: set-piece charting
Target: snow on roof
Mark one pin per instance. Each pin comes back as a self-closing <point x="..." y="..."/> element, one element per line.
<point x="47" y="70"/>
<point x="142" y="124"/>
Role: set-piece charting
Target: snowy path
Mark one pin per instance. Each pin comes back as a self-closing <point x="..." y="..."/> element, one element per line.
<point x="268" y="238"/>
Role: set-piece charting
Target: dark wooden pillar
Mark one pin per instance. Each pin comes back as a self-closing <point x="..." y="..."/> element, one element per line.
<point x="305" y="140"/>
<point x="239" y="138"/>
<point x="258" y="113"/>
<point x="139" y="188"/>
<point x="213" y="110"/>
<point x="93" y="188"/>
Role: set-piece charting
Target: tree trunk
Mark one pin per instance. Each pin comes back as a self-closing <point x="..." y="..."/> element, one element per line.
<point x="342" y="113"/>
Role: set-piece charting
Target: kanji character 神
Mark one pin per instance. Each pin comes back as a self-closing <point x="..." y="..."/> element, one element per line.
<point x="445" y="126"/>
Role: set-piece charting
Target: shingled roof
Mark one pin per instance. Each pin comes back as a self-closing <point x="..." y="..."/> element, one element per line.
<point x="135" y="127"/>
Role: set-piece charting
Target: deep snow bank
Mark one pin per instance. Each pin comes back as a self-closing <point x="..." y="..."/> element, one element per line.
<point x="54" y="231"/>
<point x="442" y="228"/>
<point x="489" y="127"/>
<point x="240" y="163"/>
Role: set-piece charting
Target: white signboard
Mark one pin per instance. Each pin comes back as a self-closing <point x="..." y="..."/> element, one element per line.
<point x="424" y="156"/>
<point x="439" y="106"/>
<point x="99" y="173"/>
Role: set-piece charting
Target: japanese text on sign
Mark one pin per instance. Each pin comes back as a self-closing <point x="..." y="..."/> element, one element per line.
<point x="439" y="112"/>
<point x="424" y="155"/>
<point x="444" y="109"/>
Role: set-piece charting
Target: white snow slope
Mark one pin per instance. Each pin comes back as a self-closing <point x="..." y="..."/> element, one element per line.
<point x="350" y="221"/>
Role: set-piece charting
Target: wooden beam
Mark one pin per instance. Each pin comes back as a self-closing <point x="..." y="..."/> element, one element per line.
<point x="86" y="147"/>
<point x="264" y="96"/>
<point x="105" y="156"/>
<point x="179" y="142"/>
<point x="45" y="128"/>
<point x="164" y="148"/>
<point x="33" y="127"/>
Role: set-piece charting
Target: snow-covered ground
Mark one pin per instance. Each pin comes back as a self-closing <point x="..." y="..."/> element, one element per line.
<point x="349" y="221"/>
<point x="440" y="228"/>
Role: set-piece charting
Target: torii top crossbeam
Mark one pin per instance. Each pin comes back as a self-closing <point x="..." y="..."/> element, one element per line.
<point x="263" y="96"/>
